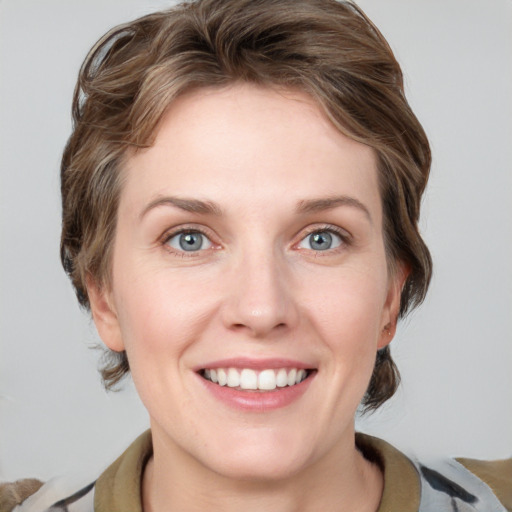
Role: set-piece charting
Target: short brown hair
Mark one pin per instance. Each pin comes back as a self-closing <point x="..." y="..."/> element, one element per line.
<point x="326" y="48"/>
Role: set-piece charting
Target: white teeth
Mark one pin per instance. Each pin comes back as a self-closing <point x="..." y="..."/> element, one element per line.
<point x="233" y="378"/>
<point x="222" y="377"/>
<point x="267" y="380"/>
<point x="247" y="379"/>
<point x="281" y="378"/>
<point x="301" y="375"/>
<point x="291" y="377"/>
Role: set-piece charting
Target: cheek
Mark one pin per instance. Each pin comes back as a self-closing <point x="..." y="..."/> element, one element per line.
<point x="348" y="303"/>
<point x="160" y="312"/>
<point x="348" y="314"/>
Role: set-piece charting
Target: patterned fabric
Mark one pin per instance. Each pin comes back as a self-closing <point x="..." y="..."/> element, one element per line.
<point x="439" y="486"/>
<point x="60" y="495"/>
<point x="449" y="486"/>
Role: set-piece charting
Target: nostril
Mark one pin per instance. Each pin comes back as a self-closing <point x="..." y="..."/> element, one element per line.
<point x="258" y="314"/>
<point x="259" y="329"/>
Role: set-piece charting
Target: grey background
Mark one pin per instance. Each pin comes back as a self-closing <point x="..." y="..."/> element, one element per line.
<point x="455" y="353"/>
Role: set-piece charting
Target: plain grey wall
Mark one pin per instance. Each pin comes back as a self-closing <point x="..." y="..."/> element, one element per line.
<point x="455" y="353"/>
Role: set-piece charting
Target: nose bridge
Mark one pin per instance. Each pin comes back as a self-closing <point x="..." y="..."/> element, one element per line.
<point x="260" y="299"/>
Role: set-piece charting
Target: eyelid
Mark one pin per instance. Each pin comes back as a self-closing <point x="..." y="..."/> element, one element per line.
<point x="175" y="242"/>
<point x="189" y="228"/>
<point x="327" y="227"/>
<point x="345" y="236"/>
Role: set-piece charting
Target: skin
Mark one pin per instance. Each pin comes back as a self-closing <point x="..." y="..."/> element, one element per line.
<point x="257" y="289"/>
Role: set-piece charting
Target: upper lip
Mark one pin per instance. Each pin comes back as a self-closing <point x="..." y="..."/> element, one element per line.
<point x="255" y="364"/>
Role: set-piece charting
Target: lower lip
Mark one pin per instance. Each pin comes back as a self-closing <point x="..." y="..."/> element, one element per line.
<point x="258" y="401"/>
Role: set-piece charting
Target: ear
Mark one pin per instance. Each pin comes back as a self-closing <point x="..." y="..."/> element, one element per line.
<point x="392" y="305"/>
<point x="104" y="315"/>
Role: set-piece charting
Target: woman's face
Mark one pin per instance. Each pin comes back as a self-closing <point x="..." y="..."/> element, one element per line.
<point x="249" y="251"/>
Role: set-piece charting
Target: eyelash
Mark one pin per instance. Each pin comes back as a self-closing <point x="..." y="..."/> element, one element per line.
<point x="183" y="231"/>
<point x="345" y="237"/>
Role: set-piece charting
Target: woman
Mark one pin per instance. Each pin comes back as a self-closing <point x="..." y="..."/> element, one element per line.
<point x="240" y="205"/>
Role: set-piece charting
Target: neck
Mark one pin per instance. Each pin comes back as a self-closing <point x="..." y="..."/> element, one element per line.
<point x="342" y="480"/>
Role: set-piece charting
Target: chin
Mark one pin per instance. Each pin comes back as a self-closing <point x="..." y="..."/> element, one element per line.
<point x="259" y="456"/>
<point x="245" y="467"/>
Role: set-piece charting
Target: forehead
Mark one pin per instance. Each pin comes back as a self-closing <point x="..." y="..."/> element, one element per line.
<point x="243" y="138"/>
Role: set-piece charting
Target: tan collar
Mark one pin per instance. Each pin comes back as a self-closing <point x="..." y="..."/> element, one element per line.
<point x="401" y="481"/>
<point x="119" y="487"/>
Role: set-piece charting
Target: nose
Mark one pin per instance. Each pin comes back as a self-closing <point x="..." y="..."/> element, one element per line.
<point x="260" y="300"/>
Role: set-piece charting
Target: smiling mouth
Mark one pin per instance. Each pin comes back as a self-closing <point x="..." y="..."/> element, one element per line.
<point x="247" y="379"/>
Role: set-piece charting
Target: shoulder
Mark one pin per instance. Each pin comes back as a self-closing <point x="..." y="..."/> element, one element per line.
<point x="448" y="483"/>
<point x="117" y="488"/>
<point x="14" y="493"/>
<point x="439" y="484"/>
<point x="58" y="494"/>
<point x="497" y="474"/>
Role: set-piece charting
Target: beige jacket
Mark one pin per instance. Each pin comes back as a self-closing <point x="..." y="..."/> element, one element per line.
<point x="409" y="486"/>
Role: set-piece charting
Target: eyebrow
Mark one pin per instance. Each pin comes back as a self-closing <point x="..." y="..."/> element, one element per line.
<point x="210" y="208"/>
<point x="328" y="203"/>
<point x="188" y="205"/>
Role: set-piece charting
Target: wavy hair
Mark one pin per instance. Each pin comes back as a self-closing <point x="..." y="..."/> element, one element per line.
<point x="326" y="48"/>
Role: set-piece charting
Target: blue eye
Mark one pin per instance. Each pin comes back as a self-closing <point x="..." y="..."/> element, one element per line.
<point x="321" y="241"/>
<point x="189" y="241"/>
